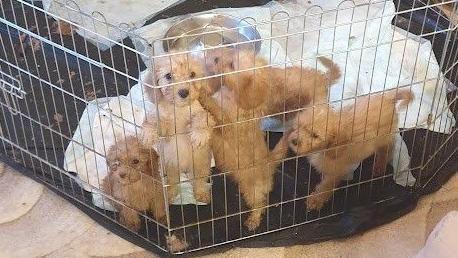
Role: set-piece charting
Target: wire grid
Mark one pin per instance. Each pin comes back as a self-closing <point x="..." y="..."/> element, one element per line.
<point x="48" y="79"/>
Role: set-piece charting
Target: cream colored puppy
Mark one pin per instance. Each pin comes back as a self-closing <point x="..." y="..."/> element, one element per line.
<point x="181" y="124"/>
<point x="347" y="137"/>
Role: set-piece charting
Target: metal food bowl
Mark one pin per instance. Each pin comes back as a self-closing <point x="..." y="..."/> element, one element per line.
<point x="210" y="30"/>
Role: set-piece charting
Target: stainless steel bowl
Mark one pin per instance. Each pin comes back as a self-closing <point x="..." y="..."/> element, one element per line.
<point x="210" y="30"/>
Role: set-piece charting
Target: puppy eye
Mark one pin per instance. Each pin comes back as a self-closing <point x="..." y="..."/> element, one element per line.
<point x="192" y="75"/>
<point x="232" y="65"/>
<point x="135" y="161"/>
<point x="314" y="135"/>
<point x="168" y="76"/>
<point x="216" y="60"/>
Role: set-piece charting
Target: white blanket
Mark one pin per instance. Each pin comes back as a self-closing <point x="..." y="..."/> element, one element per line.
<point x="380" y="57"/>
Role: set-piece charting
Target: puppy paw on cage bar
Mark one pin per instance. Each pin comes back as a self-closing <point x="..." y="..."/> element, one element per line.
<point x="186" y="125"/>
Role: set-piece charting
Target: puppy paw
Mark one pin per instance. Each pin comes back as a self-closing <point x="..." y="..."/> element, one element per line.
<point x="203" y="196"/>
<point x="199" y="139"/>
<point x="317" y="200"/>
<point x="176" y="244"/>
<point x="131" y="222"/>
<point x="253" y="221"/>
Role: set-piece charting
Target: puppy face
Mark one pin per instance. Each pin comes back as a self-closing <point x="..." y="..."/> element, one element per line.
<point x="224" y="60"/>
<point x="185" y="70"/>
<point x="128" y="160"/>
<point x="243" y="73"/>
<point x="313" y="130"/>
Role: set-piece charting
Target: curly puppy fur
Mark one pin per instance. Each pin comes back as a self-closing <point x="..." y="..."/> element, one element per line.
<point x="275" y="90"/>
<point x="241" y="151"/>
<point x="134" y="180"/>
<point x="352" y="135"/>
<point x="184" y="127"/>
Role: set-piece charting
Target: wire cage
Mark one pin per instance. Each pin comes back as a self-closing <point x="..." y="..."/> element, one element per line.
<point x="321" y="121"/>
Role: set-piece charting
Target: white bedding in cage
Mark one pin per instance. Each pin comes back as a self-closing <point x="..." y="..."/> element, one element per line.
<point x="133" y="13"/>
<point x="380" y="57"/>
<point x="104" y="122"/>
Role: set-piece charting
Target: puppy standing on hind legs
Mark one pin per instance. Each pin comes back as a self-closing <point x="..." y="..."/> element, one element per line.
<point x="185" y="127"/>
<point x="246" y="95"/>
<point x="352" y="135"/>
<point x="239" y="148"/>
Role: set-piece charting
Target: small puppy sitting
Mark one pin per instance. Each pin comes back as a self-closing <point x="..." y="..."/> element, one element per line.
<point x="180" y="128"/>
<point x="347" y="137"/>
<point x="134" y="180"/>
<point x="276" y="90"/>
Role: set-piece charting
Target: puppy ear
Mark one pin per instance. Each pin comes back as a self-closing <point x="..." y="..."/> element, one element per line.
<point x="213" y="57"/>
<point x="107" y="184"/>
<point x="111" y="153"/>
<point x="153" y="93"/>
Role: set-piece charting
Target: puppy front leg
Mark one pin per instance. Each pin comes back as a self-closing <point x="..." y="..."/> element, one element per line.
<point x="173" y="179"/>
<point x="382" y="156"/>
<point x="157" y="203"/>
<point x="149" y="134"/>
<point x="331" y="174"/>
<point x="200" y="137"/>
<point x="255" y="196"/>
<point x="201" y="168"/>
<point x="129" y="218"/>
<point x="201" y="130"/>
<point x="322" y="193"/>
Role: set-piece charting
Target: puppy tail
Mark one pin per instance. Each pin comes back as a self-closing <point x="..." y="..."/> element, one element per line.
<point x="404" y="97"/>
<point x="333" y="74"/>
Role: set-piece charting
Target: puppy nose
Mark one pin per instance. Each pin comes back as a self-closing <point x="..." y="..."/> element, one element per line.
<point x="183" y="93"/>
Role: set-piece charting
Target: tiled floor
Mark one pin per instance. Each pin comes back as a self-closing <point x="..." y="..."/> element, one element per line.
<point x="36" y="222"/>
